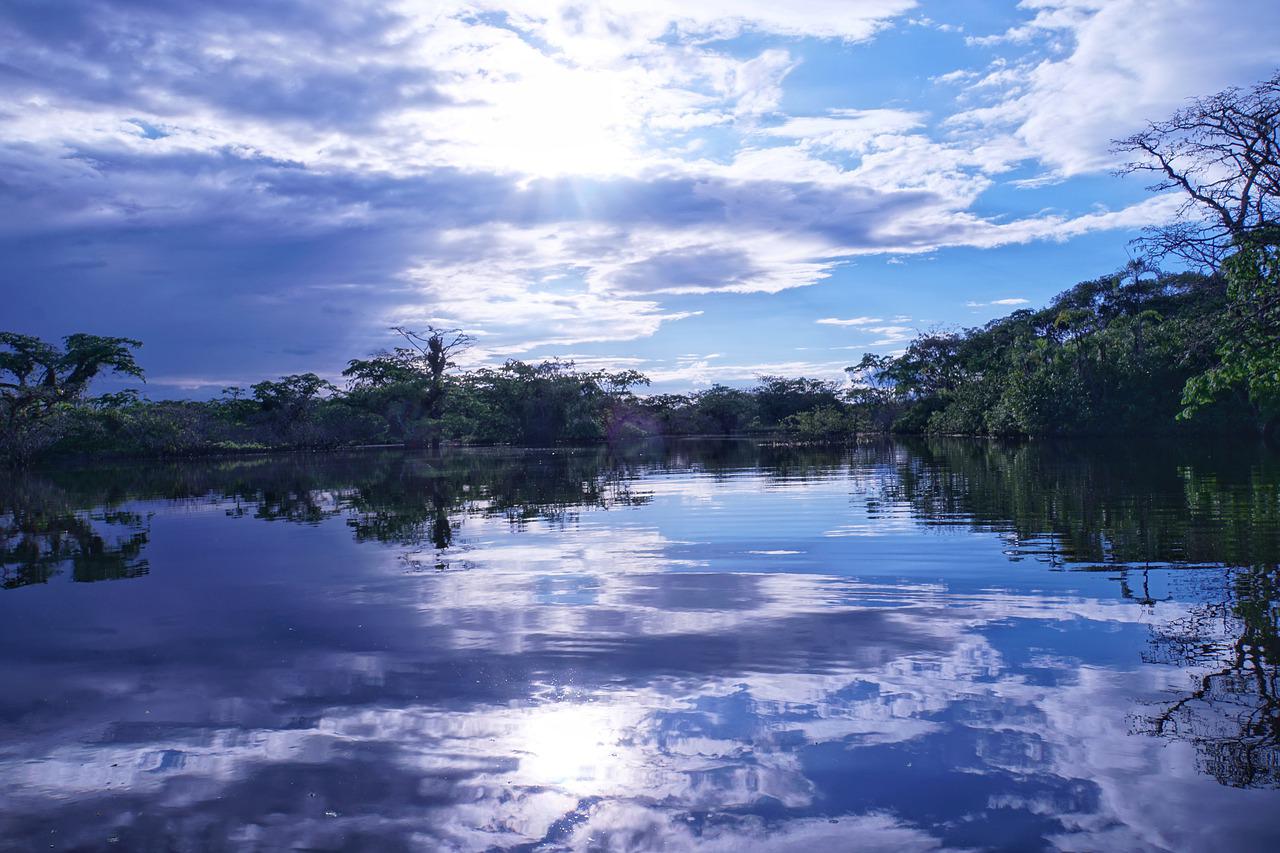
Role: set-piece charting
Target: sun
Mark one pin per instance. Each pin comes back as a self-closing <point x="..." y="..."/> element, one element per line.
<point x="567" y="121"/>
<point x="549" y="120"/>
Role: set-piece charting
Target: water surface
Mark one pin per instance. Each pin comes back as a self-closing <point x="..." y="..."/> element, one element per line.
<point x="910" y="646"/>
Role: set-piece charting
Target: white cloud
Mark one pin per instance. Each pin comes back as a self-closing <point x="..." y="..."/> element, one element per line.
<point x="849" y="130"/>
<point x="1105" y="68"/>
<point x="851" y="321"/>
<point x="519" y="288"/>
<point x="960" y="75"/>
<point x="757" y="83"/>
<point x="704" y="372"/>
<point x="1016" y="300"/>
<point x="891" y="334"/>
<point x="619" y="27"/>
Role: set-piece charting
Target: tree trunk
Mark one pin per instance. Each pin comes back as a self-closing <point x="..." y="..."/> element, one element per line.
<point x="1271" y="430"/>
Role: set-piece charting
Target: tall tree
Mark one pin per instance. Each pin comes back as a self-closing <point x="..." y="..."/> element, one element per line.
<point x="37" y="378"/>
<point x="409" y="383"/>
<point x="1223" y="153"/>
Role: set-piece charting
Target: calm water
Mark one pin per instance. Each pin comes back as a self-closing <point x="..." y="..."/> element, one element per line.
<point x="714" y="645"/>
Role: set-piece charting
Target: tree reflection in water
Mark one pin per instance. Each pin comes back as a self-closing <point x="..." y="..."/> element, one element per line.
<point x="42" y="532"/>
<point x="1103" y="511"/>
<point x="1232" y="713"/>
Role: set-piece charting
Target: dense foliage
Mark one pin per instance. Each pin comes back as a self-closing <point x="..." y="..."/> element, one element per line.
<point x="400" y="397"/>
<point x="1112" y="355"/>
<point x="1248" y="335"/>
<point x="39" y="381"/>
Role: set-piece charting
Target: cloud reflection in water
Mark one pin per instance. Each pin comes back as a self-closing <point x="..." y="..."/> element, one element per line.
<point x="616" y="675"/>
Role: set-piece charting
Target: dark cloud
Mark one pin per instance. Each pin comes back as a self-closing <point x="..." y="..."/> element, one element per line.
<point x="846" y="215"/>
<point x="324" y="69"/>
<point x="701" y="266"/>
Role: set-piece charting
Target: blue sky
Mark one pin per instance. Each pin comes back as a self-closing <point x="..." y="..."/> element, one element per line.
<point x="703" y="191"/>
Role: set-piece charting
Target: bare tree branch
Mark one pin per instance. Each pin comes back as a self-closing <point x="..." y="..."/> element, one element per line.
<point x="1222" y="153"/>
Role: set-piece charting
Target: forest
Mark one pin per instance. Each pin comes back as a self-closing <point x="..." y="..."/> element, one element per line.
<point x="1185" y="336"/>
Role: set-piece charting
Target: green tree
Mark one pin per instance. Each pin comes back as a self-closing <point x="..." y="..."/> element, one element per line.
<point x="728" y="410"/>
<point x="38" y="380"/>
<point x="825" y="423"/>
<point x="779" y="397"/>
<point x="1248" y="337"/>
<point x="548" y="403"/>
<point x="409" y="384"/>
<point x="1223" y="154"/>
<point x="288" y="401"/>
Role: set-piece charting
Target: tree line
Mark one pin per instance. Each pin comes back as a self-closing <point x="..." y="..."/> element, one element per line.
<point x="1134" y="351"/>
<point x="412" y="394"/>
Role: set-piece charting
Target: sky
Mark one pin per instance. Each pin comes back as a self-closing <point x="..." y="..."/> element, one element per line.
<point x="702" y="191"/>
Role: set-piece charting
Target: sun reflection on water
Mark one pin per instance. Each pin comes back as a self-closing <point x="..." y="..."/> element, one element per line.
<point x="575" y="747"/>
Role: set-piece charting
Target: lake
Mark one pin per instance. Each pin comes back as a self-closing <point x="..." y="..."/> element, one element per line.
<point x="714" y="644"/>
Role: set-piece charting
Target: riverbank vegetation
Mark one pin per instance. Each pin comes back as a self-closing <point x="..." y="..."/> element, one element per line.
<point x="397" y="397"/>
<point x="1138" y="350"/>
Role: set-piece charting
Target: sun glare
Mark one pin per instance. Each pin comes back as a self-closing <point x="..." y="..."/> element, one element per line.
<point x="566" y="122"/>
<point x="572" y="747"/>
